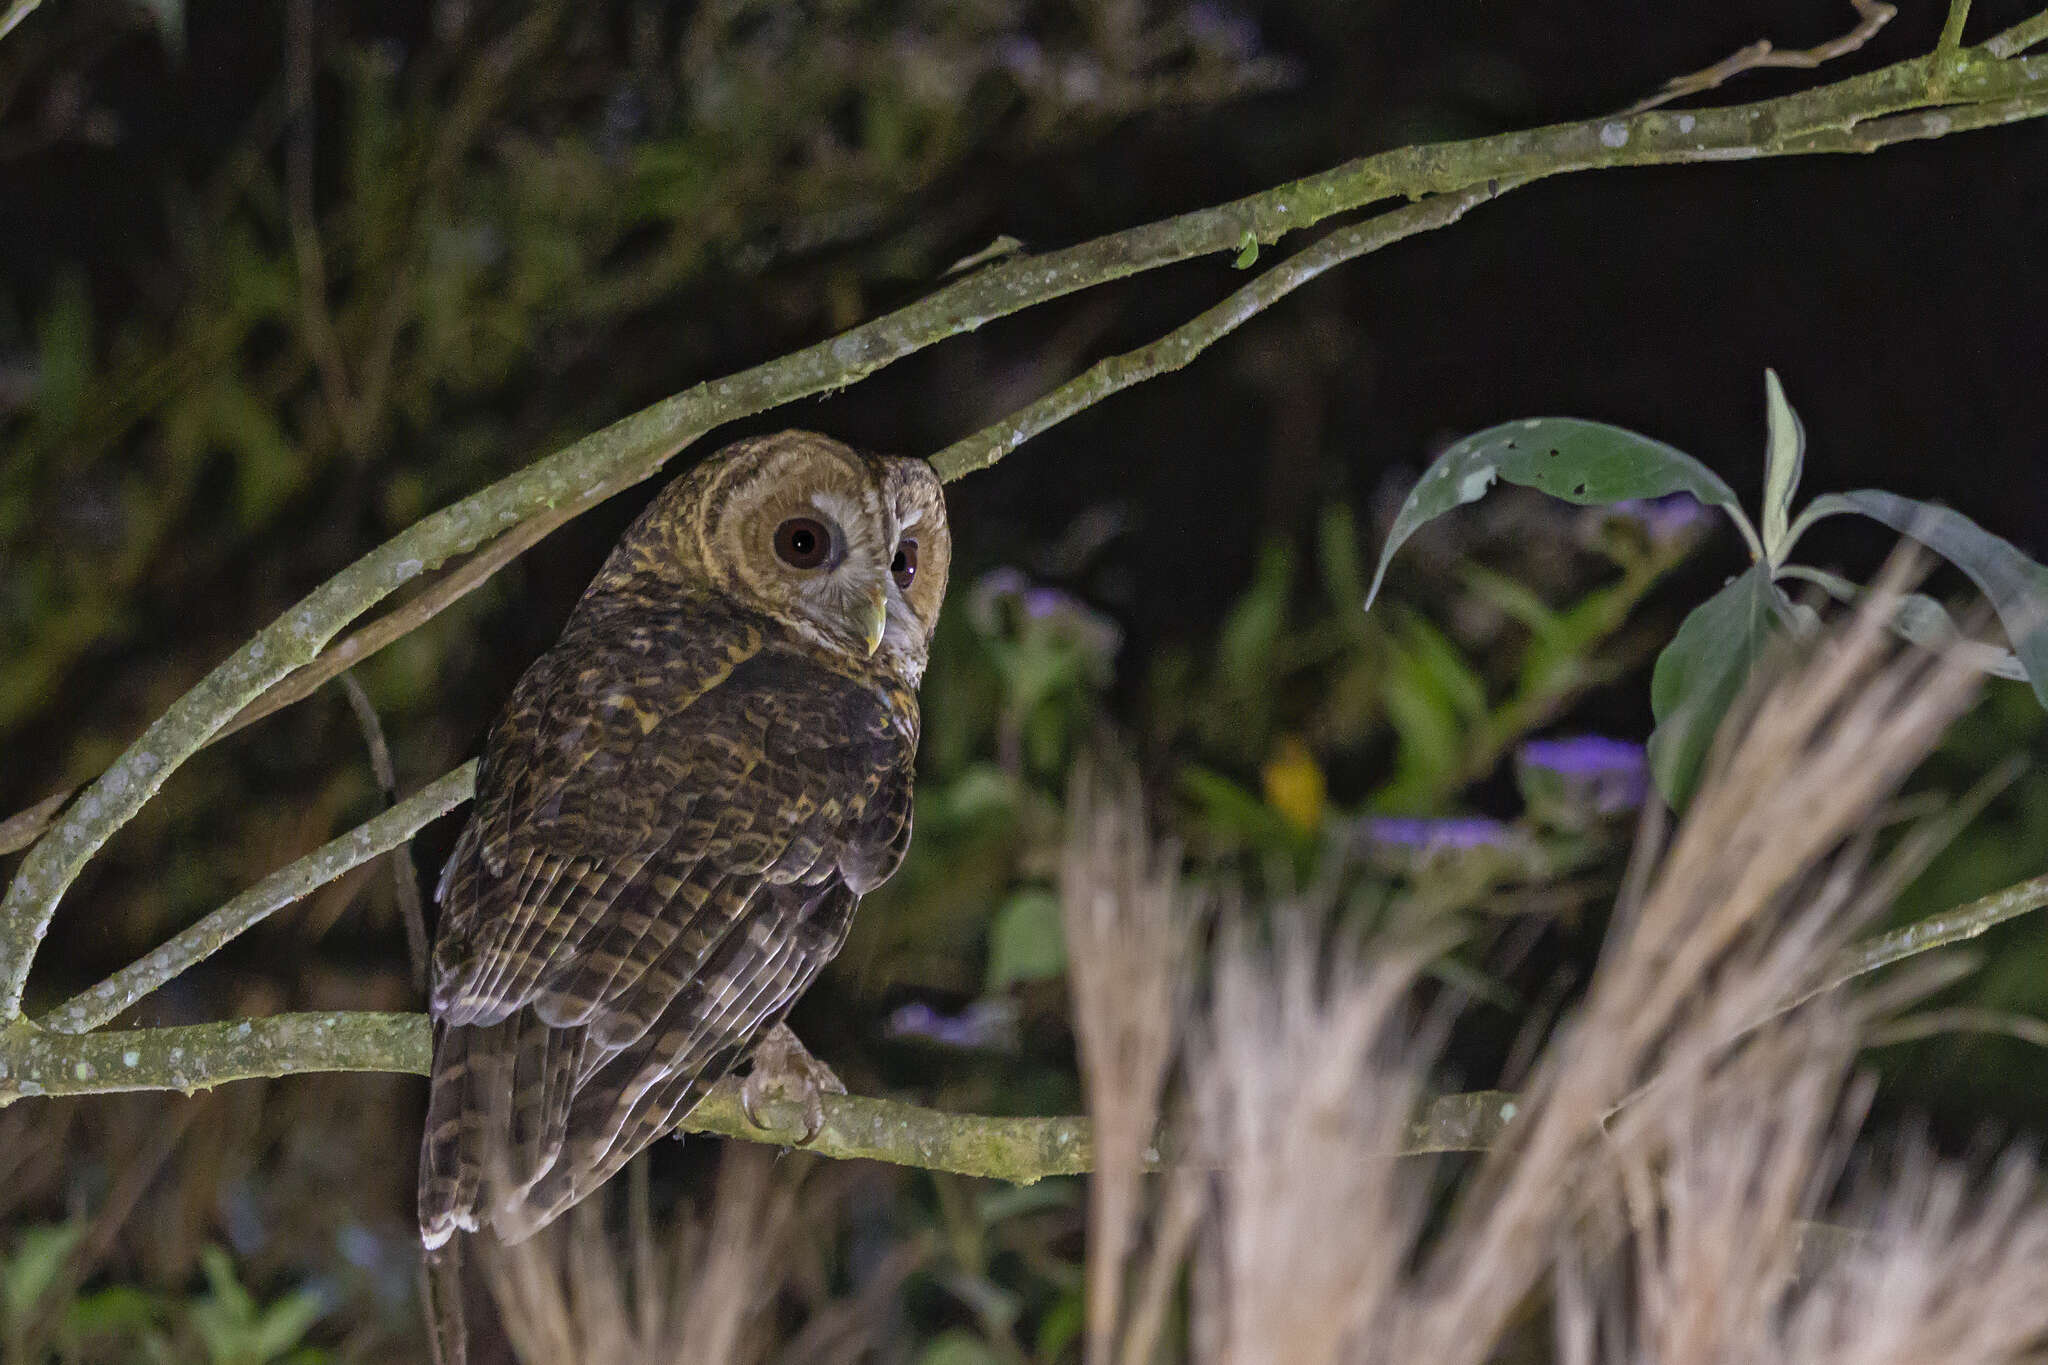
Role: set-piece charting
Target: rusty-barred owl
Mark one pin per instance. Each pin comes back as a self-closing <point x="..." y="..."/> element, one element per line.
<point x="675" y="817"/>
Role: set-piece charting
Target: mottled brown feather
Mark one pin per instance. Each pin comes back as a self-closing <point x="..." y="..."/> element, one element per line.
<point x="675" y="818"/>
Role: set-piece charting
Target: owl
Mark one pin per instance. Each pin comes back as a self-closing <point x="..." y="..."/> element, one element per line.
<point x="675" y="817"/>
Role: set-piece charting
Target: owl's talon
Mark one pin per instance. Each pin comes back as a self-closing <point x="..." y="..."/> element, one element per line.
<point x="785" y="1069"/>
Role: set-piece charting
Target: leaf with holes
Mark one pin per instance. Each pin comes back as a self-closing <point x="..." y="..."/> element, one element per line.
<point x="1589" y="463"/>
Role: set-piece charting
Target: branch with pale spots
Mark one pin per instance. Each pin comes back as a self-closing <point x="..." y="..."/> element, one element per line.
<point x="195" y="1057"/>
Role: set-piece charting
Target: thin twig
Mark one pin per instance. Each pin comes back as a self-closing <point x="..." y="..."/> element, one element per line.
<point x="1762" y="53"/>
<point x="1946" y="48"/>
<point x="21" y="830"/>
<point x="94" y="1007"/>
<point x="1962" y="1019"/>
<point x="323" y="342"/>
<point x="15" y="13"/>
<point x="1951" y="927"/>
<point x="1180" y="346"/>
<point x="405" y="882"/>
<point x="2017" y="39"/>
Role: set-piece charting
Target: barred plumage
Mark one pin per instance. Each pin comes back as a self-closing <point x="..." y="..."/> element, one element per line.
<point x="675" y="818"/>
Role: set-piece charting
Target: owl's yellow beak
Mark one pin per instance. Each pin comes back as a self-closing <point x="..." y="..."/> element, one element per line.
<point x="874" y="619"/>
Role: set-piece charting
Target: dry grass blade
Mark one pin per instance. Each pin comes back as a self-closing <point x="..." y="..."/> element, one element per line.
<point x="1305" y="1071"/>
<point x="701" y="1291"/>
<point x="1747" y="909"/>
<point x="1127" y="930"/>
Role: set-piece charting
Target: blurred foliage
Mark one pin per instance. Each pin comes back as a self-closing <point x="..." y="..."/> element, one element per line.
<point x="420" y="261"/>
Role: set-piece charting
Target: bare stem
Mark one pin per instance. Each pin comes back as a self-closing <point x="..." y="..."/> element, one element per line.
<point x="194" y="1057"/>
<point x="1191" y="338"/>
<point x="91" y="1008"/>
<point x="405" y="886"/>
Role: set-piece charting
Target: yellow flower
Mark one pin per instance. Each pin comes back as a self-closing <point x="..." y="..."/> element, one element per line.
<point x="1294" y="784"/>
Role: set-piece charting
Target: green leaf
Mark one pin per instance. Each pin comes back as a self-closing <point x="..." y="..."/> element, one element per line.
<point x="234" y="1301"/>
<point x="1026" y="943"/>
<point x="284" y="1323"/>
<point x="1784" y="458"/>
<point x="1060" y="1326"/>
<point x="121" y="1308"/>
<point x="1244" y="647"/>
<point x="38" y="1255"/>
<point x="2016" y="586"/>
<point x="1337" y="556"/>
<point x="959" y="1347"/>
<point x="1247" y="251"/>
<point x="1579" y="461"/>
<point x="1922" y="621"/>
<point x="1700" y="673"/>
<point x="268" y="468"/>
<point x="1229" y="809"/>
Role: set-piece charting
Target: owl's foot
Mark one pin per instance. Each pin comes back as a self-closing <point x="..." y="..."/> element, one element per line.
<point x="785" y="1069"/>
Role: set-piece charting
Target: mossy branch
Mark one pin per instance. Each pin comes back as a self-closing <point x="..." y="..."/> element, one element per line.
<point x="194" y="1057"/>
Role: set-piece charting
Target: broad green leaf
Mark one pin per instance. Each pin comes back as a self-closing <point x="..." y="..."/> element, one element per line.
<point x="1026" y="942"/>
<point x="1783" y="460"/>
<point x="1700" y="673"/>
<point x="2016" y="586"/>
<point x="1579" y="461"/>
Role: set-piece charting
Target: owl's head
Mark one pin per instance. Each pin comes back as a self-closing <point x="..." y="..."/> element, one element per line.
<point x="848" y="550"/>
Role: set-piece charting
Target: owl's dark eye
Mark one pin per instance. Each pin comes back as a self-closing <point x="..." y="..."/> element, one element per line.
<point x="903" y="567"/>
<point x="803" y="543"/>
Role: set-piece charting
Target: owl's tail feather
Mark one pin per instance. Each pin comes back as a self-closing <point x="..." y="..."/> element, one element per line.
<point x="451" y="1165"/>
<point x="497" y="1120"/>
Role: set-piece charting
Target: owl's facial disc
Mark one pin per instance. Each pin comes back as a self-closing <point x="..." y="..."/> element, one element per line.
<point x="830" y="541"/>
<point x="849" y="551"/>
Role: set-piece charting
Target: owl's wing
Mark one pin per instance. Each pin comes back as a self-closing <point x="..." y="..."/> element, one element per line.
<point x="668" y="843"/>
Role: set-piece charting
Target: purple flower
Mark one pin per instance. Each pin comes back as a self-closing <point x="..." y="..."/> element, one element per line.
<point x="986" y="1024"/>
<point x="1665" y="519"/>
<point x="1006" y="603"/>
<point x="1409" y="831"/>
<point x="1611" y="775"/>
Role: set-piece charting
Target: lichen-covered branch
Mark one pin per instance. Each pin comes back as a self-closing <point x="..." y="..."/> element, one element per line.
<point x="192" y="1057"/>
<point x="1951" y="927"/>
<point x="1191" y="338"/>
<point x="91" y="1008"/>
